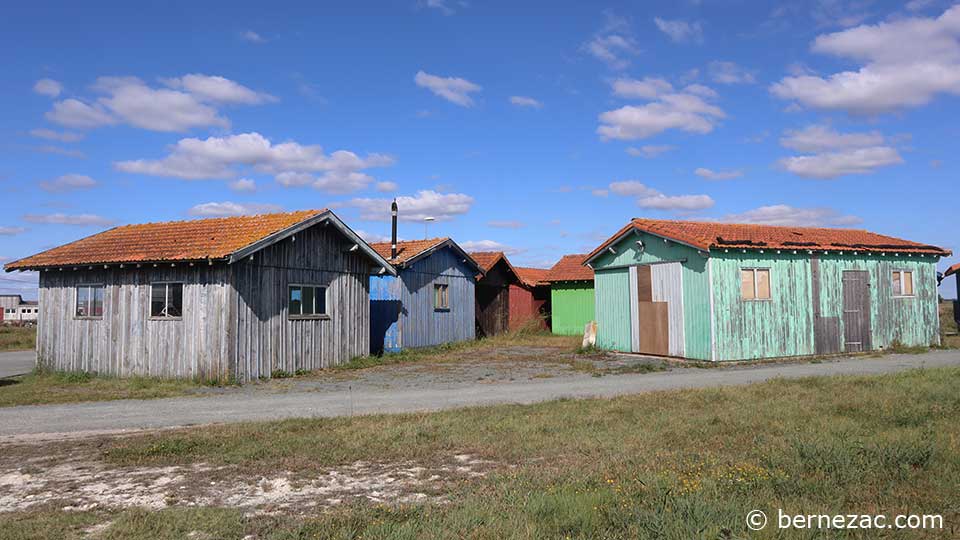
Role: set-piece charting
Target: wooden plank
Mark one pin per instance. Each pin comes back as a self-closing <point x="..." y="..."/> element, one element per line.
<point x="654" y="328"/>
<point x="644" y="284"/>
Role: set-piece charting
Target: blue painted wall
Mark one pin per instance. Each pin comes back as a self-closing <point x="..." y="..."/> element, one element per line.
<point x="402" y="308"/>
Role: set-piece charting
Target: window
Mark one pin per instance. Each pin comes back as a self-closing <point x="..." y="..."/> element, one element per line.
<point x="89" y="301"/>
<point x="902" y="283"/>
<point x="307" y="301"/>
<point x="441" y="300"/>
<point x="755" y="283"/>
<point x="166" y="300"/>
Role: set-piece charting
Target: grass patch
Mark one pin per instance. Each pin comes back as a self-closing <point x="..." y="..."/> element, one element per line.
<point x="672" y="465"/>
<point x="18" y="338"/>
<point x="43" y="387"/>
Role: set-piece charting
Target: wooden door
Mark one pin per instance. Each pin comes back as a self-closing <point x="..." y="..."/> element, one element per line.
<point x="650" y="330"/>
<point x="856" y="311"/>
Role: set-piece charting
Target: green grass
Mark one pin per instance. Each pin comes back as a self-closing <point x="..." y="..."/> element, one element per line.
<point x="42" y="387"/>
<point x="18" y="338"/>
<point x="673" y="465"/>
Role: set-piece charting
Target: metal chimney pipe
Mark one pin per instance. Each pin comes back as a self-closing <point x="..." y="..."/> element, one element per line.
<point x="393" y="232"/>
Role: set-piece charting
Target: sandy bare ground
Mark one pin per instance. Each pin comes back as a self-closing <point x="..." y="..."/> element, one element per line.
<point x="81" y="482"/>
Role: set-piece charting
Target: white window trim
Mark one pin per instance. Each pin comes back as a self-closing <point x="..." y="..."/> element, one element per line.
<point x="315" y="316"/>
<point x="166" y="300"/>
<point x="755" y="288"/>
<point x="76" y="294"/>
<point x="913" y="284"/>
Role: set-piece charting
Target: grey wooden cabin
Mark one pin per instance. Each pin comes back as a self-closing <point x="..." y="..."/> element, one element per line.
<point x="238" y="298"/>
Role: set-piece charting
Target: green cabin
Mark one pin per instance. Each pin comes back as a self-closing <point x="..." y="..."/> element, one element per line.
<point x="722" y="291"/>
<point x="571" y="295"/>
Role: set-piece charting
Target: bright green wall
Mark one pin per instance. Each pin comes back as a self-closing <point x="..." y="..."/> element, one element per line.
<point x="613" y="292"/>
<point x="783" y="325"/>
<point x="571" y="307"/>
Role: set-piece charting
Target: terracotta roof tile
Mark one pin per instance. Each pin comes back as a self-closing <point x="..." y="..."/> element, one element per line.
<point x="712" y="235"/>
<point x="570" y="268"/>
<point x="406" y="249"/>
<point x="191" y="240"/>
<point x="532" y="277"/>
<point x="486" y="259"/>
<point x="952" y="270"/>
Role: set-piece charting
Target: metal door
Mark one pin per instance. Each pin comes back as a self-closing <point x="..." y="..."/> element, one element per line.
<point x="856" y="311"/>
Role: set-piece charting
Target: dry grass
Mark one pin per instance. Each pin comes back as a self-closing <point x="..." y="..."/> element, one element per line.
<point x="671" y="465"/>
<point x="18" y="338"/>
<point x="45" y="387"/>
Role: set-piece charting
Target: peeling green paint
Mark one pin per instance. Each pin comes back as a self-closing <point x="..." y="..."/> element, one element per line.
<point x="572" y="307"/>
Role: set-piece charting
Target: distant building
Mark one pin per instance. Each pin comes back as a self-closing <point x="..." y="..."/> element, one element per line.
<point x="13" y="308"/>
<point x="571" y="295"/>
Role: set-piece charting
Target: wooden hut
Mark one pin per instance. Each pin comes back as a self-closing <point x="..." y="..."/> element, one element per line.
<point x="571" y="295"/>
<point x="229" y="298"/>
<point x="529" y="299"/>
<point x="430" y="301"/>
<point x="719" y="291"/>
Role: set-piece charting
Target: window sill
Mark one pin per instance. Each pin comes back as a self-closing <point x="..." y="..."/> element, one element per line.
<point x="756" y="300"/>
<point x="308" y="318"/>
<point x="904" y="296"/>
<point x="87" y="318"/>
<point x="441" y="309"/>
<point x="164" y="318"/>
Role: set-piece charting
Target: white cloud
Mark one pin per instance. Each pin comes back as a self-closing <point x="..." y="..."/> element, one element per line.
<point x="729" y="73"/>
<point x="710" y="174"/>
<point x="189" y="103"/>
<point x="228" y="208"/>
<point x="52" y="149"/>
<point x="440" y="5"/>
<point x="906" y="63"/>
<point x="48" y="87"/>
<point x="489" y="245"/>
<point x="68" y="219"/>
<point x="680" y="31"/>
<point x="833" y="154"/>
<point x="782" y="214"/>
<point x="387" y="187"/>
<point x="52" y="135"/>
<point x="68" y="182"/>
<point x="600" y="192"/>
<point x="253" y="37"/>
<point x="218" y="89"/>
<point x="650" y="151"/>
<point x="292" y="164"/>
<point x="686" y="110"/>
<point x="506" y="224"/>
<point x="453" y="89"/>
<point x="243" y="184"/>
<point x="648" y="197"/>
<point x="77" y="114"/>
<point x="371" y="237"/>
<point x="524" y="101"/>
<point x="612" y="49"/>
<point x="11" y="231"/>
<point x="426" y="203"/>
<point x="646" y="88"/>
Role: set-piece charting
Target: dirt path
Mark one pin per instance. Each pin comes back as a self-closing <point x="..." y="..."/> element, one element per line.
<point x="363" y="395"/>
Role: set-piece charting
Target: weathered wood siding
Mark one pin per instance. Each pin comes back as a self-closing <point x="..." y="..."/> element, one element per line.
<point x="571" y="307"/>
<point x="787" y="324"/>
<point x="420" y="324"/>
<point x="126" y="341"/>
<point x="267" y="339"/>
<point x="612" y="292"/>
<point x="493" y="301"/>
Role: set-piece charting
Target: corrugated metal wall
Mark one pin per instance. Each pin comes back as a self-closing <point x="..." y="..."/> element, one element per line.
<point x="572" y="307"/>
<point x="613" y="305"/>
<point x="527" y="305"/>
<point x="402" y="309"/>
<point x="667" y="282"/>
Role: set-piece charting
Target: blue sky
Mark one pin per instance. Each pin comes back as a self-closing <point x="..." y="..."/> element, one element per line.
<point x="535" y="127"/>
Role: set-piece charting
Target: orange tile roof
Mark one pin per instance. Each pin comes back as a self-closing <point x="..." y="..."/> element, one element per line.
<point x="487" y="259"/>
<point x="191" y="240"/>
<point x="952" y="270"/>
<point x="570" y="268"/>
<point x="406" y="249"/>
<point x="532" y="277"/>
<point x="711" y="235"/>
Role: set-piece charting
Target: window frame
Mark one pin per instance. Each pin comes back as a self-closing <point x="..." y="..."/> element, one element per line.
<point x="325" y="316"/>
<point x="913" y="284"/>
<point x="76" y="300"/>
<point x="166" y="300"/>
<point x="441" y="297"/>
<point x="755" y="270"/>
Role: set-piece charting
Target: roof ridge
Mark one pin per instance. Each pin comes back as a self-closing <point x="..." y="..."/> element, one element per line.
<point x="743" y="224"/>
<point x="217" y="218"/>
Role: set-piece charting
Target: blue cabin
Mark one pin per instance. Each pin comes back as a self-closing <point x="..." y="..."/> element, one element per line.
<point x="429" y="302"/>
